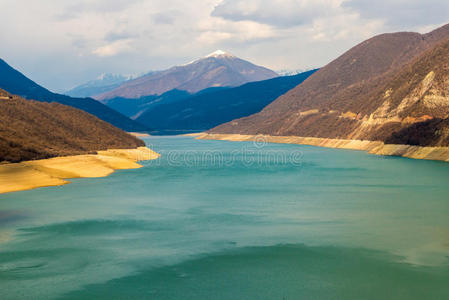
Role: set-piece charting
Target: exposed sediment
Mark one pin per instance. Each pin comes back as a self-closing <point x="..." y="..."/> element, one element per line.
<point x="139" y="134"/>
<point x="372" y="147"/>
<point x="55" y="171"/>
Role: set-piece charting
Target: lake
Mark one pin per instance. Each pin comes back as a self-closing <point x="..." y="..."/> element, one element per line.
<point x="234" y="220"/>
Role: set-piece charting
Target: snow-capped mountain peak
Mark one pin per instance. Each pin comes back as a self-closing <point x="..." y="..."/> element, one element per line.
<point x="219" y="53"/>
<point x="216" y="69"/>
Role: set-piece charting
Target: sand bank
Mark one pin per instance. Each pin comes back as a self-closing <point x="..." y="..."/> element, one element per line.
<point x="196" y="134"/>
<point x="373" y="147"/>
<point x="55" y="171"/>
<point x="139" y="134"/>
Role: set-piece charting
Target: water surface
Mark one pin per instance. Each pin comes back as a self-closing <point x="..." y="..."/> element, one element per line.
<point x="234" y="220"/>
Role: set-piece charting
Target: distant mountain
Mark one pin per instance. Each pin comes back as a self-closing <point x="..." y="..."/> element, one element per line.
<point x="291" y="72"/>
<point x="390" y="88"/>
<point x="35" y="130"/>
<point x="104" y="83"/>
<point x="133" y="108"/>
<point x="16" y="83"/>
<point x="219" y="69"/>
<point x="214" y="106"/>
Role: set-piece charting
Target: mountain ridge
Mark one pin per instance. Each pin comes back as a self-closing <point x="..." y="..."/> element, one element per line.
<point x="209" y="108"/>
<point x="103" y="83"/>
<point x="346" y="98"/>
<point x="14" y="82"/>
<point x="36" y="130"/>
<point x="217" y="69"/>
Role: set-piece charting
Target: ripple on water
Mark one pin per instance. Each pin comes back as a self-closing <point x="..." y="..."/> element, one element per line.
<point x="281" y="272"/>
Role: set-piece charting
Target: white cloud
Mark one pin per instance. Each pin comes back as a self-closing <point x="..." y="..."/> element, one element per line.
<point x="113" y="48"/>
<point x="214" y="30"/>
<point x="277" y="12"/>
<point x="62" y="43"/>
<point x="342" y="27"/>
<point x="402" y="14"/>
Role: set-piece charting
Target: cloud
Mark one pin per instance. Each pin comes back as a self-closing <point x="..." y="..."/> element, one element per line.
<point x="214" y="30"/>
<point x="118" y="35"/>
<point x="282" y="13"/>
<point x="402" y="13"/>
<point x="77" y="8"/>
<point x="165" y="18"/>
<point x="74" y="41"/>
<point x="313" y="20"/>
<point x="113" y="48"/>
<point x="287" y="13"/>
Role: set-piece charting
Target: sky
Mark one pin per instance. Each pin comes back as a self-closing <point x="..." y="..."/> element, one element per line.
<point x="61" y="43"/>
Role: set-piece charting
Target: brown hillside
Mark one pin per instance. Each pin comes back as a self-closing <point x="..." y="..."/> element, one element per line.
<point x="357" y="96"/>
<point x="35" y="130"/>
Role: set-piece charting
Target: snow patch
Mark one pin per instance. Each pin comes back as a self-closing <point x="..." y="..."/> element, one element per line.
<point x="219" y="53"/>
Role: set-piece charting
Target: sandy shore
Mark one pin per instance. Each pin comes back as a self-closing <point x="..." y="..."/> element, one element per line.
<point x="373" y="147"/>
<point x="55" y="171"/>
<point x="139" y="134"/>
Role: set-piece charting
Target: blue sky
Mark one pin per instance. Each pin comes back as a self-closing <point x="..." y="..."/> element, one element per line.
<point x="61" y="44"/>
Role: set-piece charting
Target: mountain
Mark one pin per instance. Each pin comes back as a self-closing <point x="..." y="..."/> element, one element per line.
<point x="291" y="72"/>
<point x="212" y="107"/>
<point x="34" y="130"/>
<point x="219" y="69"/>
<point x="390" y="88"/>
<point x="104" y="83"/>
<point x="133" y="108"/>
<point x="15" y="82"/>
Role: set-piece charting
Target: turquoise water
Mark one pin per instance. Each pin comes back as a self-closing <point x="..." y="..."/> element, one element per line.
<point x="233" y="220"/>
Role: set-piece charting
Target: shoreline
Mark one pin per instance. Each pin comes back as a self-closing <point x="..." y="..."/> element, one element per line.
<point x="57" y="171"/>
<point x="139" y="134"/>
<point x="372" y="147"/>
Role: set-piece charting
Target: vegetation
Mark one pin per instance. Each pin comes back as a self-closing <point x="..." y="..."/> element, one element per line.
<point x="178" y="111"/>
<point x="36" y="130"/>
<point x="429" y="133"/>
<point x="386" y="88"/>
<point x="16" y="83"/>
<point x="135" y="107"/>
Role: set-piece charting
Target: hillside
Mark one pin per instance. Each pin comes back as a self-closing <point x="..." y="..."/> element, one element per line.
<point x="388" y="88"/>
<point x="210" y="108"/>
<point x="133" y="108"/>
<point x="34" y="130"/>
<point x="16" y="83"/>
<point x="219" y="69"/>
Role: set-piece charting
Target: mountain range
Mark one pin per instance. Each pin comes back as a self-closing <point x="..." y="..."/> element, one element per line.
<point x="104" y="83"/>
<point x="133" y="108"/>
<point x="215" y="106"/>
<point x="16" y="83"/>
<point x="36" y="130"/>
<point x="390" y="88"/>
<point x="219" y="69"/>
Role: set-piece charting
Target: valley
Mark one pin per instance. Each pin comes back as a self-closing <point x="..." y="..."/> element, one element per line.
<point x="134" y="165"/>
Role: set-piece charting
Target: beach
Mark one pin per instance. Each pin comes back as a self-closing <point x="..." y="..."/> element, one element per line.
<point x="139" y="134"/>
<point x="372" y="147"/>
<point x="58" y="170"/>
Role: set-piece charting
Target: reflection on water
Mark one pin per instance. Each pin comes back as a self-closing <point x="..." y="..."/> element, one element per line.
<point x="357" y="227"/>
<point x="7" y="219"/>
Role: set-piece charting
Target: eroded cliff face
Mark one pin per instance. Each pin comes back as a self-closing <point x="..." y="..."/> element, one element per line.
<point x="426" y="101"/>
<point x="403" y="101"/>
<point x="417" y="97"/>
